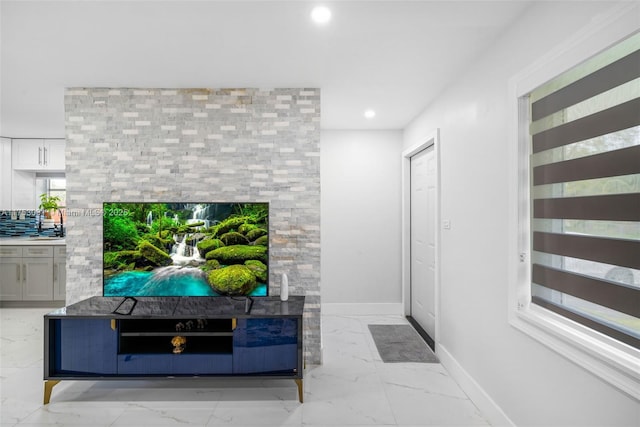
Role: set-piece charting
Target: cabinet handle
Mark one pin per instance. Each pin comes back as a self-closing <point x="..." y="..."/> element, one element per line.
<point x="18" y="271"/>
<point x="45" y="156"/>
<point x="55" y="272"/>
<point x="40" y="156"/>
<point x="24" y="272"/>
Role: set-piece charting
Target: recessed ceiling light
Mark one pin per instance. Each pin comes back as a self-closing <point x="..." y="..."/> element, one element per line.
<point x="369" y="114"/>
<point x="321" y="14"/>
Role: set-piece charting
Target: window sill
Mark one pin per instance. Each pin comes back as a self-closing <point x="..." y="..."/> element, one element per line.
<point x="615" y="363"/>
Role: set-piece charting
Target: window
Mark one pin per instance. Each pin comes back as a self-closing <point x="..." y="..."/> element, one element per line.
<point x="53" y="185"/>
<point x="58" y="187"/>
<point x="578" y="277"/>
<point x="585" y="193"/>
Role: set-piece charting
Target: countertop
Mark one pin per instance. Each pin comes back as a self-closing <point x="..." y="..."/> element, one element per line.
<point x="32" y="241"/>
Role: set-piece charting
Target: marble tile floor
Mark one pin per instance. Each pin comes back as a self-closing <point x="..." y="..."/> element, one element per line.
<point x="353" y="387"/>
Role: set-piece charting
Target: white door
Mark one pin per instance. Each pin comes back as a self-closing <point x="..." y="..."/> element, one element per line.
<point x="423" y="239"/>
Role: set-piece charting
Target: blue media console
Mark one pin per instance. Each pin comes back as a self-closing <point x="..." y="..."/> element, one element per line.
<point x="174" y="337"/>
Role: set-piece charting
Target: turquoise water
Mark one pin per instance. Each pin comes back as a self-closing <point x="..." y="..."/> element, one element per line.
<point x="165" y="281"/>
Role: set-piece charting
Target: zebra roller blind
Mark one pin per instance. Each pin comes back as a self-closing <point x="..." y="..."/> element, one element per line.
<point x="585" y="193"/>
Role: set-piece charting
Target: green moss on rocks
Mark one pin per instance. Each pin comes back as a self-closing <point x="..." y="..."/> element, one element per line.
<point x="207" y="245"/>
<point x="233" y="238"/>
<point x="212" y="264"/>
<point x="154" y="255"/>
<point x="246" y="228"/>
<point x="238" y="254"/>
<point x="258" y="269"/>
<point x="255" y="233"/>
<point x="121" y="260"/>
<point x="157" y="241"/>
<point x="262" y="241"/>
<point x="233" y="280"/>
<point x="230" y="224"/>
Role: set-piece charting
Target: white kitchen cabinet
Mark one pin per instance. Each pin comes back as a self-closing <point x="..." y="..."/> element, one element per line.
<point x="38" y="279"/>
<point x="37" y="265"/>
<point x="5" y="174"/>
<point x="11" y="273"/>
<point x="32" y="273"/>
<point x="27" y="154"/>
<point x="59" y="273"/>
<point x="56" y="159"/>
<point x="38" y="154"/>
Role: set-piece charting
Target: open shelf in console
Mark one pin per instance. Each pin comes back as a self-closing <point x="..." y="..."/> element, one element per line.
<point x="154" y="336"/>
<point x="162" y="345"/>
<point x="175" y="326"/>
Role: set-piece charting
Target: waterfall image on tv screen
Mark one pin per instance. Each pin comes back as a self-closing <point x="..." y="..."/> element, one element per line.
<point x="185" y="249"/>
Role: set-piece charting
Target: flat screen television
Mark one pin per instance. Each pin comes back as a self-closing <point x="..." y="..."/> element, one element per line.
<point x="185" y="249"/>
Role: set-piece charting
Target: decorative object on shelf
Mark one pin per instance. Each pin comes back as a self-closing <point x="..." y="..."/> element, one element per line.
<point x="179" y="326"/>
<point x="284" y="288"/>
<point x="48" y="204"/>
<point x="179" y="343"/>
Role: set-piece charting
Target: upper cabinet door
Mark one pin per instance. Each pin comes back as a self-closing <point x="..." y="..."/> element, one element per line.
<point x="27" y="154"/>
<point x="38" y="154"/>
<point x="54" y="154"/>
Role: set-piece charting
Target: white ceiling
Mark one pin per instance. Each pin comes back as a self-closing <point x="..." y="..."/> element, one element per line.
<point x="391" y="56"/>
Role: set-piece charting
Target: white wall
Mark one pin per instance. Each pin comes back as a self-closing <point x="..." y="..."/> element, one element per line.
<point x="23" y="190"/>
<point x="531" y="384"/>
<point x="5" y="174"/>
<point x="360" y="178"/>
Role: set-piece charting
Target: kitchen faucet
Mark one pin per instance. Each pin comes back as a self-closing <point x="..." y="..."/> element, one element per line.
<point x="58" y="228"/>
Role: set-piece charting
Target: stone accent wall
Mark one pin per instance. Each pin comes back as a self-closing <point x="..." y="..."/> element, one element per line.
<point x="198" y="145"/>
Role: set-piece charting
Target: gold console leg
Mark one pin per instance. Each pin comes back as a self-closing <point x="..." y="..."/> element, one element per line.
<point x="300" y="389"/>
<point x="48" y="386"/>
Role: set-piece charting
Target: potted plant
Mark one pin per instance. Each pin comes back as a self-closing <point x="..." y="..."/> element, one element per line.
<point x="48" y="204"/>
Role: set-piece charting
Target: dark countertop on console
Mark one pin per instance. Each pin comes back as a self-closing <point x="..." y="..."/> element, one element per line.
<point x="180" y="307"/>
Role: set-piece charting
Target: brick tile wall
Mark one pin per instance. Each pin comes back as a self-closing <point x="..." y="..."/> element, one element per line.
<point x="198" y="145"/>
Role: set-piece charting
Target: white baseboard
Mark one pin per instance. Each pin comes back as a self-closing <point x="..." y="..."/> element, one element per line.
<point x="476" y="393"/>
<point x="362" y="309"/>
